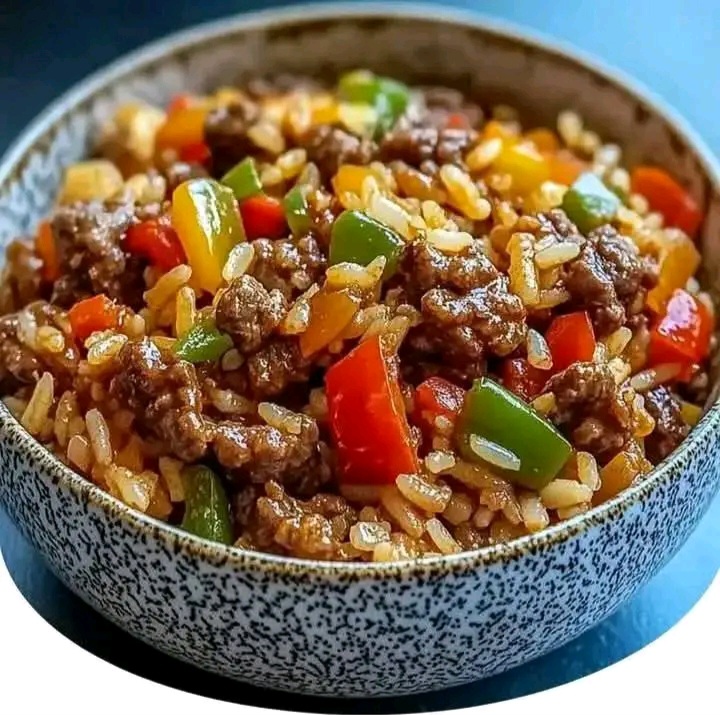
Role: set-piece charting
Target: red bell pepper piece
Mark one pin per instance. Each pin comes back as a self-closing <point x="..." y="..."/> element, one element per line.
<point x="47" y="251"/>
<point x="93" y="314"/>
<point x="157" y="241"/>
<point x="682" y="333"/>
<point x="666" y="196"/>
<point x="434" y="398"/>
<point x="197" y="153"/>
<point x="520" y="377"/>
<point x="571" y="339"/>
<point x="367" y="417"/>
<point x="180" y="101"/>
<point x="457" y="120"/>
<point x="263" y="217"/>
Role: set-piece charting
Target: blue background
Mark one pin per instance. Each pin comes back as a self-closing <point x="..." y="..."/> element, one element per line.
<point x="46" y="46"/>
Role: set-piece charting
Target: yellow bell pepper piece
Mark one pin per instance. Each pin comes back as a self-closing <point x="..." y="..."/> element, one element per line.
<point x="207" y="223"/>
<point x="349" y="179"/>
<point x="679" y="260"/>
<point x="182" y="128"/>
<point x="527" y="167"/>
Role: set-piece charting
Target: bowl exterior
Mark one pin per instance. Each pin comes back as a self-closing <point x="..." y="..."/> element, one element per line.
<point x="352" y="630"/>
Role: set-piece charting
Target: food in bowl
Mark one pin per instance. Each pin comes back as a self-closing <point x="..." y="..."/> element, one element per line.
<point x="357" y="322"/>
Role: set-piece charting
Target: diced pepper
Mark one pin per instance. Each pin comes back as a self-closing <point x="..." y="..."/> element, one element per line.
<point x="589" y="203"/>
<point x="297" y="211"/>
<point x="350" y="178"/>
<point x="243" y="179"/>
<point x="618" y="474"/>
<point x="263" y="217"/>
<point x="358" y="238"/>
<point x="207" y="510"/>
<point x="494" y="413"/>
<point x="330" y="314"/>
<point x="388" y="96"/>
<point x="545" y="140"/>
<point x="207" y="224"/>
<point x="157" y="241"/>
<point x="679" y="260"/>
<point x="182" y="128"/>
<point x="194" y="153"/>
<point x="47" y="251"/>
<point x="521" y="378"/>
<point x="457" y="120"/>
<point x="436" y="397"/>
<point x="565" y="167"/>
<point x="367" y="417"/>
<point x="682" y="333"/>
<point x="527" y="167"/>
<point x="666" y="196"/>
<point x="180" y="101"/>
<point x="497" y="130"/>
<point x="202" y="343"/>
<point x="571" y="339"/>
<point x="91" y="180"/>
<point x="93" y="314"/>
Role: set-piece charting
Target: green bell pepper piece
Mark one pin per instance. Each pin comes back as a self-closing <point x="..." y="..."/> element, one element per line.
<point x="358" y="238"/>
<point x="389" y="97"/>
<point x="297" y="211"/>
<point x="492" y="412"/>
<point x="202" y="343"/>
<point x="207" y="511"/>
<point x="589" y="203"/>
<point x="243" y="179"/>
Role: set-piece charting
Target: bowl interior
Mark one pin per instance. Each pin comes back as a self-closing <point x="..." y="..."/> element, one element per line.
<point x="495" y="64"/>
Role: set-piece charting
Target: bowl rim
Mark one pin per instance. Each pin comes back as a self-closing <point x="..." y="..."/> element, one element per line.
<point x="184" y="40"/>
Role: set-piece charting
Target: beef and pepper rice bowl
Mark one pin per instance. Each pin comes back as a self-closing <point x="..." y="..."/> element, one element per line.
<point x="357" y="322"/>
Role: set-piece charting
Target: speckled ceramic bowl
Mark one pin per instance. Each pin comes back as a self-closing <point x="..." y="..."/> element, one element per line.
<point x="356" y="629"/>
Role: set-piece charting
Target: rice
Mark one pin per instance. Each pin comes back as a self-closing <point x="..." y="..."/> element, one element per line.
<point x="185" y="312"/>
<point x="131" y="455"/>
<point x="345" y="275"/>
<point x="538" y="352"/>
<point x="79" y="452"/>
<point x="50" y="339"/>
<point x="522" y="272"/>
<point x="99" y="434"/>
<point x="556" y="255"/>
<point x="390" y="213"/>
<point x="459" y="509"/>
<point x="562" y="493"/>
<point x="279" y="417"/>
<point x="438" y="461"/>
<point x="617" y="341"/>
<point x="569" y="126"/>
<point x="104" y="350"/>
<point x="266" y="135"/>
<point x="484" y="154"/>
<point x="494" y="454"/>
<point x="365" y="536"/>
<point x="134" y="489"/>
<point x="552" y="297"/>
<point x="449" y="241"/>
<point x="587" y="470"/>
<point x="464" y="193"/>
<point x="167" y="286"/>
<point x="648" y="379"/>
<point x="170" y="471"/>
<point x="483" y="517"/>
<point x="38" y="408"/>
<point x="533" y="512"/>
<point x="291" y="163"/>
<point x="270" y="175"/>
<point x="231" y="360"/>
<point x="238" y="261"/>
<point x="422" y="493"/>
<point x="441" y="537"/>
<point x="402" y="512"/>
<point x="67" y="408"/>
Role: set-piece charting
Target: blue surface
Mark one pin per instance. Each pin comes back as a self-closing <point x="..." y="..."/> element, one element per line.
<point x="672" y="49"/>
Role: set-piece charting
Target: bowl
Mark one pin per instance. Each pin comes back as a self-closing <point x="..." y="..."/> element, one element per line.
<point x="357" y="629"/>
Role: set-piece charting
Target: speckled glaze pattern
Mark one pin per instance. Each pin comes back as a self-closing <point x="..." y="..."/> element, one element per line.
<point x="355" y="629"/>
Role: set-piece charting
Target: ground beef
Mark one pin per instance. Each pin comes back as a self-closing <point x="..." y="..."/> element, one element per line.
<point x="290" y="265"/>
<point x="443" y="101"/>
<point x="489" y="318"/>
<point x="328" y="147"/>
<point x="311" y="529"/>
<point x="260" y="453"/>
<point x="165" y="396"/>
<point x="226" y="134"/>
<point x="88" y="238"/>
<point x="21" y="281"/>
<point x="418" y="145"/>
<point x="425" y="267"/>
<point x="20" y="364"/>
<point x="556" y="223"/>
<point x="181" y="171"/>
<point x="276" y="366"/>
<point x="591" y="409"/>
<point x="607" y="278"/>
<point x="670" y="428"/>
<point x="249" y="313"/>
